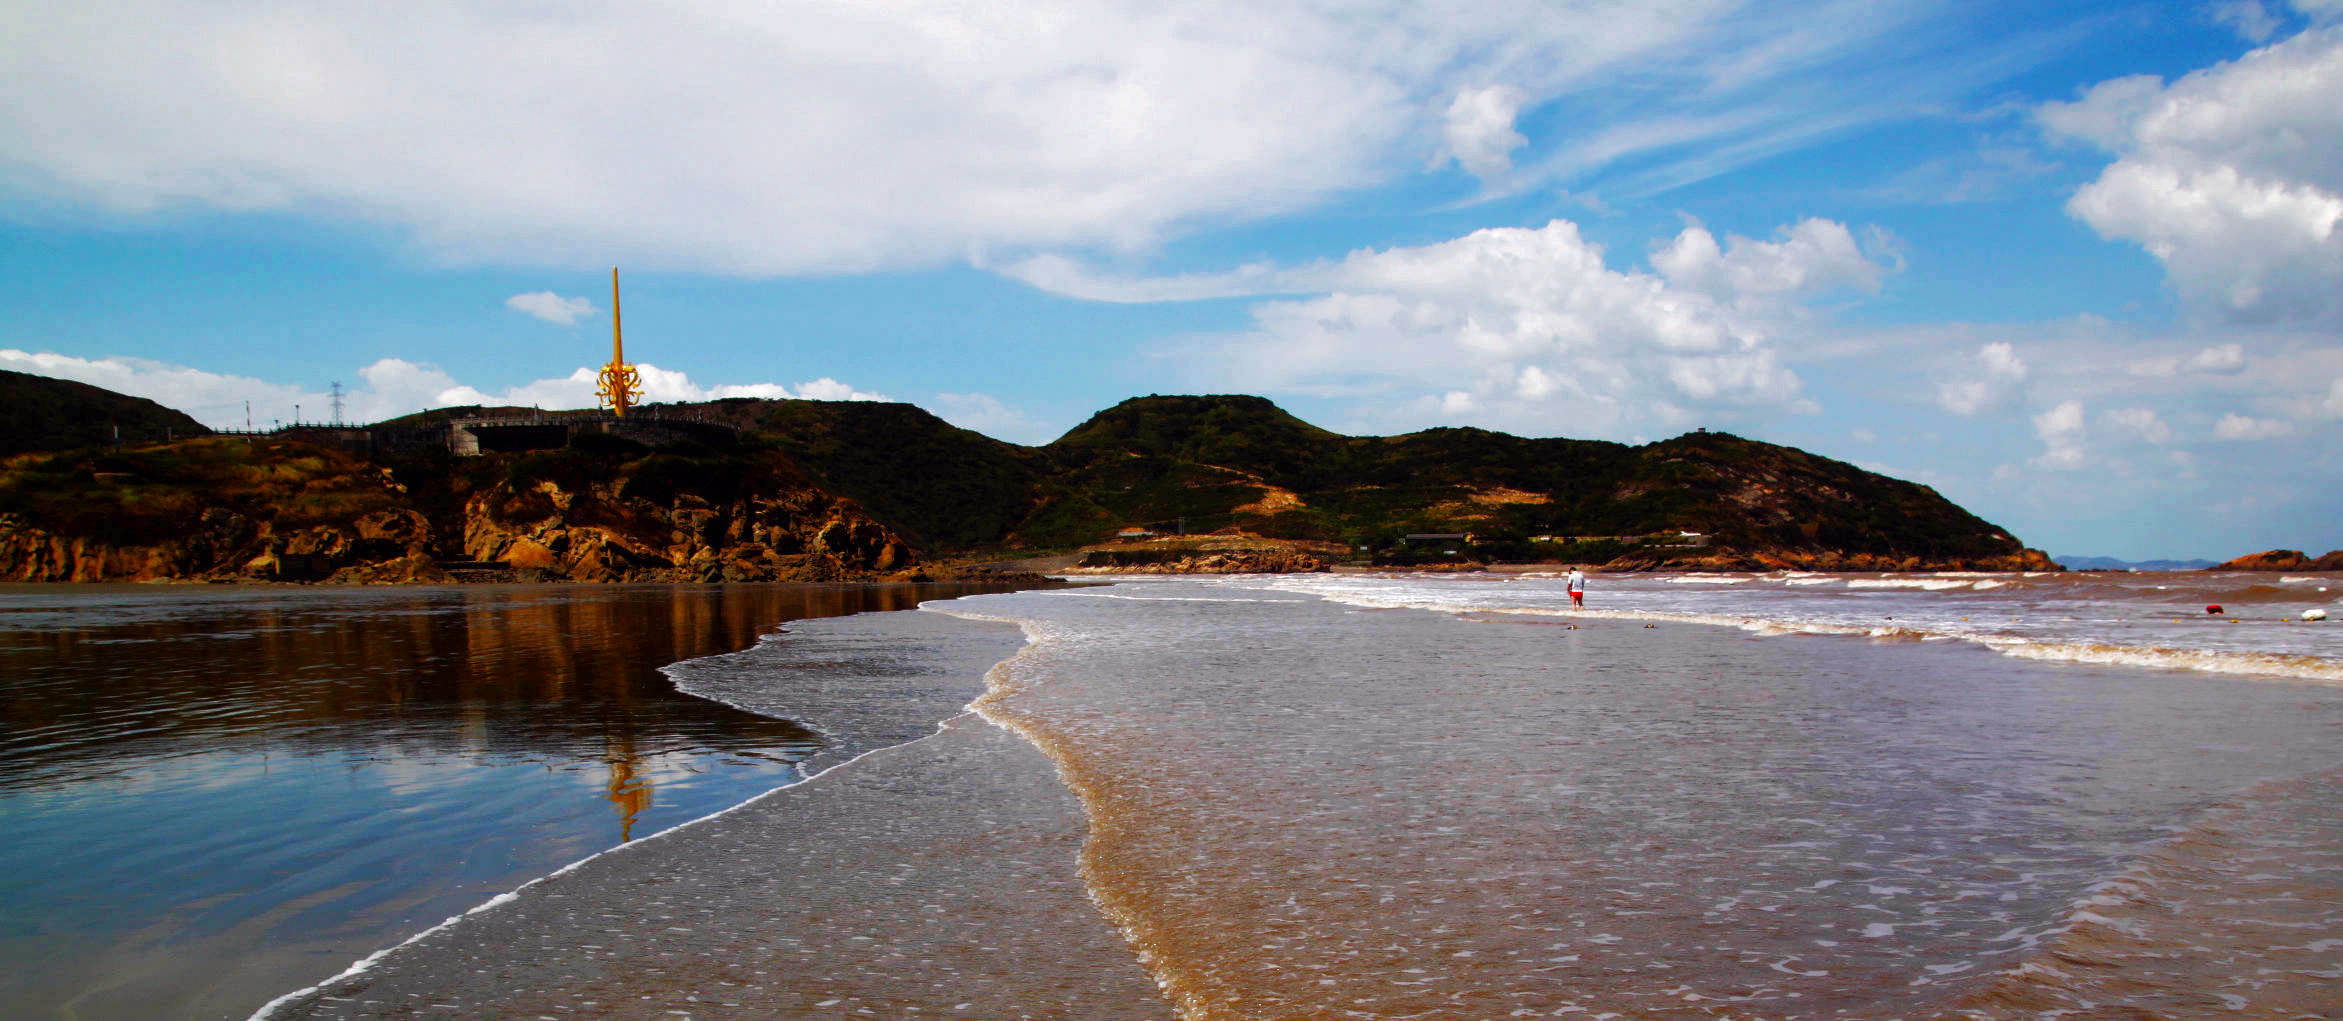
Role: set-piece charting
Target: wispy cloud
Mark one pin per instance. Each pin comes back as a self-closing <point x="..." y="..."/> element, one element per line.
<point x="820" y="138"/>
<point x="551" y="307"/>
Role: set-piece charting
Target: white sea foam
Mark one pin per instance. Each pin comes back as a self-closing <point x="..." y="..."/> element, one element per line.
<point x="1926" y="584"/>
<point x="2114" y="635"/>
<point x="1708" y="579"/>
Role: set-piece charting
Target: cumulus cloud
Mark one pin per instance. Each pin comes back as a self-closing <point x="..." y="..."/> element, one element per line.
<point x="2143" y="422"/>
<point x="797" y="136"/>
<point x="390" y="387"/>
<point x="2219" y="360"/>
<point x="988" y="415"/>
<point x="2231" y="176"/>
<point x="2234" y="426"/>
<point x="2061" y="430"/>
<point x="551" y="307"/>
<point x="1480" y="134"/>
<point x="801" y="136"/>
<point x="1813" y="255"/>
<point x="1998" y="369"/>
<point x="1530" y="329"/>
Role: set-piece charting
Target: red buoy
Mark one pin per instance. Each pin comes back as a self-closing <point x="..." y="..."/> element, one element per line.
<point x="2212" y="607"/>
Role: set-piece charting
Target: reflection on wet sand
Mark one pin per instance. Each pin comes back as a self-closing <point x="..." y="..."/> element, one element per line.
<point x="101" y="678"/>
<point x="218" y="794"/>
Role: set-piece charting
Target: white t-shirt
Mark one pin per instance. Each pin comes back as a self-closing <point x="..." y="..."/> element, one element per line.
<point x="1577" y="582"/>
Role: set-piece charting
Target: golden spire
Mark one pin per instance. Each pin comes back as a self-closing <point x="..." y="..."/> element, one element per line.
<point x="621" y="386"/>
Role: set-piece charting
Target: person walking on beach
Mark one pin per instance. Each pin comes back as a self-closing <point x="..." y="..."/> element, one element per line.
<point x="1577" y="587"/>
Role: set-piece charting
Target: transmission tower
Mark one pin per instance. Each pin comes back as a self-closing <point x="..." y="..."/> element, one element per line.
<point x="337" y="404"/>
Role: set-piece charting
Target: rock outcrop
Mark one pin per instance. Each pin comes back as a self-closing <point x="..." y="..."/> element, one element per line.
<point x="601" y="534"/>
<point x="1240" y="557"/>
<point x="1828" y="560"/>
<point x="2283" y="560"/>
<point x="288" y="512"/>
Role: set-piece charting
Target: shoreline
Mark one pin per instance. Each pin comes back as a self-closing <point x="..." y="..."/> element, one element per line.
<point x="1139" y="926"/>
<point x="818" y="806"/>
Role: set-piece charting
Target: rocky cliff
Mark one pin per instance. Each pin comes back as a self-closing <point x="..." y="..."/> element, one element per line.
<point x="2284" y="560"/>
<point x="225" y="509"/>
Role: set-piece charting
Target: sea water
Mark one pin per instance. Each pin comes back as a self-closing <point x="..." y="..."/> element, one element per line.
<point x="214" y="794"/>
<point x="1780" y="795"/>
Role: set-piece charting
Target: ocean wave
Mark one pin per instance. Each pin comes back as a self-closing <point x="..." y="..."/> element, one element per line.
<point x="1706" y="579"/>
<point x="1442" y="599"/>
<point x="1927" y="584"/>
<point x="2309" y="668"/>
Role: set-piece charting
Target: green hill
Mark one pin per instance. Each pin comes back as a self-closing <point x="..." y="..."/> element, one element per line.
<point x="40" y="413"/>
<point x="1206" y="463"/>
<point x="1194" y="464"/>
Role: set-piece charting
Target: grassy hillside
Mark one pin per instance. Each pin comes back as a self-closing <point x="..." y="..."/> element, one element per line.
<point x="1199" y="464"/>
<point x="40" y="413"/>
<point x="1231" y="461"/>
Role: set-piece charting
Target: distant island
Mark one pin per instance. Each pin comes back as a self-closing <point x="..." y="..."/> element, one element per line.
<point x="2076" y="563"/>
<point x="742" y="489"/>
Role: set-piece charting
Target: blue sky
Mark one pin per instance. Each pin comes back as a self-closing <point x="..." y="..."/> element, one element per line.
<point x="2078" y="266"/>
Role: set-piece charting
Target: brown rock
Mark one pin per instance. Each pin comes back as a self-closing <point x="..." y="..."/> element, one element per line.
<point x="2268" y="560"/>
<point x="526" y="553"/>
<point x="2284" y="560"/>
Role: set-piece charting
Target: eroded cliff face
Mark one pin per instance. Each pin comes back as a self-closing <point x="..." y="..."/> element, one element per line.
<point x="542" y="532"/>
<point x="224" y="545"/>
<point x="599" y="534"/>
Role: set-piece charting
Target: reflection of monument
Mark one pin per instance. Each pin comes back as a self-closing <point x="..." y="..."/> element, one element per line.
<point x="627" y="789"/>
<point x="621" y="386"/>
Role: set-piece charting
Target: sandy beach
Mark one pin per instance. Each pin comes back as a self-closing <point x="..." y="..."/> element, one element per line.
<point x="1233" y="803"/>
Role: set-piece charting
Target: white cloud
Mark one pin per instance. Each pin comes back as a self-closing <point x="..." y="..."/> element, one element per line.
<point x="823" y="389"/>
<point x="2332" y="407"/>
<point x="1529" y="329"/>
<point x="986" y="414"/>
<point x="1810" y="256"/>
<point x="2234" y="426"/>
<point x="551" y="307"/>
<point x="390" y="387"/>
<point x="2231" y="176"/>
<point x="804" y="136"/>
<point x="2219" y="359"/>
<point x="1480" y="134"/>
<point x="2248" y="18"/>
<point x="2144" y="422"/>
<point x="2061" y="430"/>
<point x="1998" y="370"/>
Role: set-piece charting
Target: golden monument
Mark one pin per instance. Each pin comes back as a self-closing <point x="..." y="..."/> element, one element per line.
<point x="621" y="386"/>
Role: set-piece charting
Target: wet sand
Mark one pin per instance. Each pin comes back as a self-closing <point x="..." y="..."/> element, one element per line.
<point x="934" y="878"/>
<point x="1293" y="809"/>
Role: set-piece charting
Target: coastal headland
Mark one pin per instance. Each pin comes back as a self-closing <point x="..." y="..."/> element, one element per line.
<point x="795" y="490"/>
